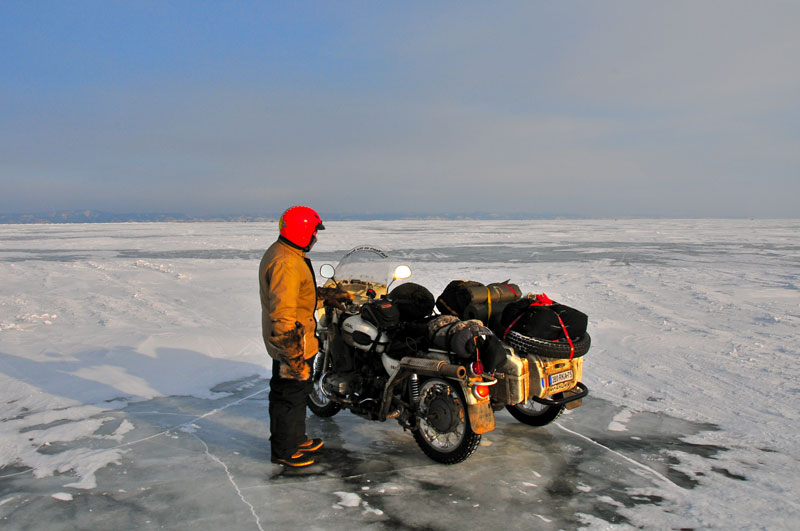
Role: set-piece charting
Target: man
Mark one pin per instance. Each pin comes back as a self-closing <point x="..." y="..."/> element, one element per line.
<point x="288" y="292"/>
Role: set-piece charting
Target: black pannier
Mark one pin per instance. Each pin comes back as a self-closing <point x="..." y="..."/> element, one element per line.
<point x="533" y="318"/>
<point x="382" y="313"/>
<point x="467" y="299"/>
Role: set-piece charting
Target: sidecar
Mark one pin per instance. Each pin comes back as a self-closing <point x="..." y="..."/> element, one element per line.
<point x="542" y="373"/>
<point x="554" y="384"/>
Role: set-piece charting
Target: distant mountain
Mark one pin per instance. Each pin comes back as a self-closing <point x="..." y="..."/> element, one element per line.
<point x="422" y="216"/>
<point x="96" y="216"/>
<point x="88" y="216"/>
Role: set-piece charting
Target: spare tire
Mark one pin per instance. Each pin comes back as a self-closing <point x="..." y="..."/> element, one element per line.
<point x="549" y="349"/>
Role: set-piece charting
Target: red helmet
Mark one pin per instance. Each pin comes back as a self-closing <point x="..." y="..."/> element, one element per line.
<point x="299" y="225"/>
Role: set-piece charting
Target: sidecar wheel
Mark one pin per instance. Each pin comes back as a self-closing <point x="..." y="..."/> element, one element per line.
<point x="535" y="414"/>
<point x="444" y="432"/>
<point x="318" y="403"/>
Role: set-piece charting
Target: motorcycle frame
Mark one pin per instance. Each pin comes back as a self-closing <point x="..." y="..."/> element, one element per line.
<point x="479" y="411"/>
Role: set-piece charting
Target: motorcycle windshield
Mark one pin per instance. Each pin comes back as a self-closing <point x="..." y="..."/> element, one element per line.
<point x="364" y="265"/>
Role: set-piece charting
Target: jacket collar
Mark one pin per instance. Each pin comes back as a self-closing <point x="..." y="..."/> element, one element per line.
<point x="291" y="247"/>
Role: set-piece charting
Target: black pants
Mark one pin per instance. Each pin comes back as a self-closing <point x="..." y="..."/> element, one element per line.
<point x="287" y="413"/>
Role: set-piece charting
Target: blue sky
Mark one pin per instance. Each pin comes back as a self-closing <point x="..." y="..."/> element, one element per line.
<point x="593" y="108"/>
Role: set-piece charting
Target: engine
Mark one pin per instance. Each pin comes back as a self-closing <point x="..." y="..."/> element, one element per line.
<point x="357" y="377"/>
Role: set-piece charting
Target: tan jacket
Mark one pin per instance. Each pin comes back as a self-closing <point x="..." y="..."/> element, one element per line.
<point x="288" y="295"/>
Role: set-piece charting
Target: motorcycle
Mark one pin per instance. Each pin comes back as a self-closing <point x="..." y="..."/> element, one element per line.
<point x="381" y="365"/>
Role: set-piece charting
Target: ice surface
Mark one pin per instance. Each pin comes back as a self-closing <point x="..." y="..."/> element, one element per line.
<point x="209" y="460"/>
<point x="133" y="377"/>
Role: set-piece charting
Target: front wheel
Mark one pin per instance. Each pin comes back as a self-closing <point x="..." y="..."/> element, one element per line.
<point x="535" y="414"/>
<point x="444" y="432"/>
<point x="318" y="403"/>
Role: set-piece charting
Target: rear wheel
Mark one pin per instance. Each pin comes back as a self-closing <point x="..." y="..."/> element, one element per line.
<point x="444" y="432"/>
<point x="318" y="403"/>
<point x="535" y="414"/>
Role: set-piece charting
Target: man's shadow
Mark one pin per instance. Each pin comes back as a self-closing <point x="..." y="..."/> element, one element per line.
<point x="103" y="375"/>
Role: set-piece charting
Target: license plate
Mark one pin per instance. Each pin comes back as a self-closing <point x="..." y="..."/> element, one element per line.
<point x="561" y="377"/>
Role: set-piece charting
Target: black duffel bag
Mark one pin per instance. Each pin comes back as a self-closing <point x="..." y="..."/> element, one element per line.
<point x="543" y="319"/>
<point x="539" y="326"/>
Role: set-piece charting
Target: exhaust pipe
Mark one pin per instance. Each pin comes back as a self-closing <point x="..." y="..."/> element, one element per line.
<point x="434" y="367"/>
<point x="407" y="367"/>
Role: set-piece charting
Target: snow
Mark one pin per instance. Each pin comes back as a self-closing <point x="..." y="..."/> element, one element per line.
<point x="114" y="337"/>
<point x="620" y="420"/>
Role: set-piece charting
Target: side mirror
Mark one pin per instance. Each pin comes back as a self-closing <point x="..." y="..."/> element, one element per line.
<point x="401" y="272"/>
<point x="327" y="271"/>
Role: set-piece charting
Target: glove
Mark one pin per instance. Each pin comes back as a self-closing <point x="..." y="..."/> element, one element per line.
<point x="334" y="297"/>
<point x="493" y="354"/>
<point x="291" y="354"/>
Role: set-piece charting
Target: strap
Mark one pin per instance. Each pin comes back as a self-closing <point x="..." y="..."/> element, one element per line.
<point x="531" y="305"/>
<point x="453" y="312"/>
<point x="540" y="300"/>
<point x="564" y="328"/>
<point x="489" y="300"/>
<point x="512" y="289"/>
<point x="511" y="325"/>
<point x="448" y="335"/>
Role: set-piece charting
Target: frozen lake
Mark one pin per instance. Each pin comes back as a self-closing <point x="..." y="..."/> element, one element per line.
<point x="133" y="377"/>
<point x="212" y="471"/>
